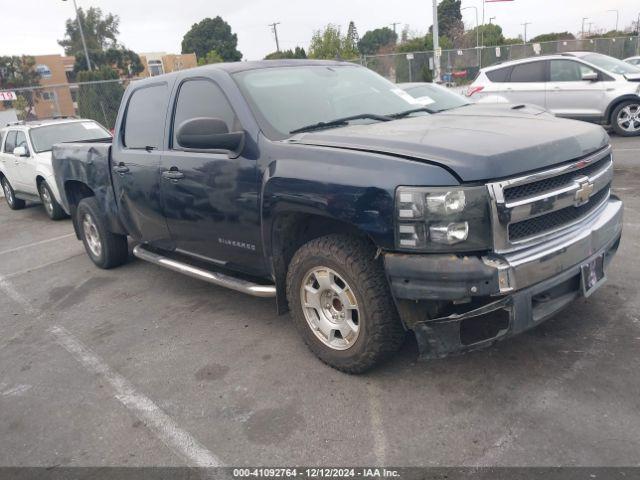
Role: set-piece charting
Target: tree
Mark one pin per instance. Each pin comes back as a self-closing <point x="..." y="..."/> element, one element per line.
<point x="329" y="43"/>
<point x="297" y="53"/>
<point x="22" y="106"/>
<point x="101" y="101"/>
<point x="374" y="40"/>
<point x="100" y="32"/>
<point x="18" y="72"/>
<point x="212" y="34"/>
<point x="550" y="37"/>
<point x="127" y="62"/>
<point x="450" y="22"/>
<point x="351" y="42"/>
<point x="490" y="34"/>
<point x="211" y="57"/>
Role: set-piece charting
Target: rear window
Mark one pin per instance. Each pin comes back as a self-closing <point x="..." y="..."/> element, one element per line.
<point x="500" y="75"/>
<point x="44" y="138"/>
<point x="146" y="111"/>
<point x="528" y="72"/>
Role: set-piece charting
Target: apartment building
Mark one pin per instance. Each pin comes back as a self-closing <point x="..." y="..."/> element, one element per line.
<point x="157" y="63"/>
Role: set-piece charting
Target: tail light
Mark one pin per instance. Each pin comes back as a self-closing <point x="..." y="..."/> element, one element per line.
<point x="474" y="89"/>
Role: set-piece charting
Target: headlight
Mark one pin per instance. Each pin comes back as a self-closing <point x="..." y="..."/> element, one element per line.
<point x="443" y="219"/>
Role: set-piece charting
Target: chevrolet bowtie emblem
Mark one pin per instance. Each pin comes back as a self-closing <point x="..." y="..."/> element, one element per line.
<point x="585" y="189"/>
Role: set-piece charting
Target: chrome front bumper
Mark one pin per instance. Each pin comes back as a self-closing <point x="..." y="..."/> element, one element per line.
<point x="527" y="267"/>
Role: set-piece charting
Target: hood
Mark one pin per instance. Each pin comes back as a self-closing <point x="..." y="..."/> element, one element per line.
<point x="476" y="142"/>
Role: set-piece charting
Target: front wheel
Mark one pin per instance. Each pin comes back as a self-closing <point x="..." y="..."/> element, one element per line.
<point x="625" y="119"/>
<point x="106" y="249"/>
<point x="341" y="303"/>
<point x="10" y="196"/>
<point x="51" y="205"/>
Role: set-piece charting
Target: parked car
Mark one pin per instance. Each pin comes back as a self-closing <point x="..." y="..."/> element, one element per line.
<point x="633" y="60"/>
<point x="580" y="85"/>
<point x="434" y="96"/>
<point x="25" y="160"/>
<point x="325" y="186"/>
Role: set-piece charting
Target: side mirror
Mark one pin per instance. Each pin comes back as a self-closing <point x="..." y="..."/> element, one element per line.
<point x="590" y="77"/>
<point x="206" y="133"/>
<point x="20" y="152"/>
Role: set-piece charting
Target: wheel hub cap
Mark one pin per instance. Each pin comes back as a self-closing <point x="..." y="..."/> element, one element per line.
<point x="330" y="308"/>
<point x="91" y="235"/>
<point x="629" y="118"/>
<point x="7" y="192"/>
<point x="46" y="198"/>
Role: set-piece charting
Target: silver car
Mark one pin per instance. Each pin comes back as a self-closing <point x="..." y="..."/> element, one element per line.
<point x="633" y="60"/>
<point x="580" y="85"/>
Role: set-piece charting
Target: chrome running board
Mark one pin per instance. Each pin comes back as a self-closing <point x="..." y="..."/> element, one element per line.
<point x="216" y="278"/>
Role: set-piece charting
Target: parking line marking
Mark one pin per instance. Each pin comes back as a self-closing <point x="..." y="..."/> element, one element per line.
<point x="35" y="244"/>
<point x="379" y="438"/>
<point x="180" y="441"/>
<point x="166" y="429"/>
<point x="40" y="267"/>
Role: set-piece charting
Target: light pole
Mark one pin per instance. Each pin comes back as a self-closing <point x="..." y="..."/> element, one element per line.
<point x="638" y="32"/>
<point x="617" y="12"/>
<point x="84" y="42"/>
<point x="436" y="44"/>
<point x="477" y="32"/>
<point x="524" y="40"/>
<point x="583" y="20"/>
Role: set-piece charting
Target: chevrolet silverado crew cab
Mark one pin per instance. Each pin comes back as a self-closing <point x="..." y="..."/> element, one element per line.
<point x="364" y="213"/>
<point x="25" y="160"/>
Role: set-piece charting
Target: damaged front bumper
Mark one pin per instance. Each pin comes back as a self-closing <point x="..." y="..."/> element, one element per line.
<point x="492" y="297"/>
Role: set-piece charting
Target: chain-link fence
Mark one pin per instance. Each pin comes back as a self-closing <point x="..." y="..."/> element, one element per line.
<point x="461" y="66"/>
<point x="98" y="100"/>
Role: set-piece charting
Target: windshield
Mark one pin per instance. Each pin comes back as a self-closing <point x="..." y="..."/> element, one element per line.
<point x="610" y="64"/>
<point x="44" y="138"/>
<point x="435" y="97"/>
<point x="287" y="98"/>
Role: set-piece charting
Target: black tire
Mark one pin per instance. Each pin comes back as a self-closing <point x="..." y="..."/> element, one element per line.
<point x="10" y="196"/>
<point x="51" y="206"/>
<point x="618" y="111"/>
<point x="380" y="330"/>
<point x="114" y="249"/>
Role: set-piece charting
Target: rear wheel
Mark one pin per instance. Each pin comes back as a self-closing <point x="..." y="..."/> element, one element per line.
<point x="341" y="304"/>
<point x="10" y="196"/>
<point x="625" y="119"/>
<point x="106" y="249"/>
<point x="51" y="205"/>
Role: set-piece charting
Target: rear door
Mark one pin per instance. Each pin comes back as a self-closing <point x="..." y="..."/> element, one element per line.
<point x="570" y="96"/>
<point x="212" y="210"/>
<point x="135" y="164"/>
<point x="26" y="166"/>
<point x="527" y="83"/>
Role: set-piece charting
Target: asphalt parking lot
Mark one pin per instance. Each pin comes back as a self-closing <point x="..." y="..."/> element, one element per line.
<point x="142" y="366"/>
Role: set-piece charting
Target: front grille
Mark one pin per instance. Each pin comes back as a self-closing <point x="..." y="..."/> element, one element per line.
<point x="559" y="218"/>
<point x="553" y="183"/>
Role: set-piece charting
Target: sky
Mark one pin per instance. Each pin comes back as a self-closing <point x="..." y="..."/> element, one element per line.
<point x="159" y="25"/>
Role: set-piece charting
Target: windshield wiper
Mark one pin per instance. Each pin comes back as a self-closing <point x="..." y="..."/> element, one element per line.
<point x="413" y="110"/>
<point x="338" y="122"/>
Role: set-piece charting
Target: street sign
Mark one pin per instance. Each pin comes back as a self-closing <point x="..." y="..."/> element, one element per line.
<point x="8" y="96"/>
<point x="438" y="52"/>
<point x="409" y="56"/>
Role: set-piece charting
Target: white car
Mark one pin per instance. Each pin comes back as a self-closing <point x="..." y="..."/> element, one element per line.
<point x="581" y="85"/>
<point x="25" y="160"/>
<point x="633" y="60"/>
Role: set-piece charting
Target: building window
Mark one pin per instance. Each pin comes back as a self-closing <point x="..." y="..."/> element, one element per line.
<point x="49" y="96"/>
<point x="155" y="68"/>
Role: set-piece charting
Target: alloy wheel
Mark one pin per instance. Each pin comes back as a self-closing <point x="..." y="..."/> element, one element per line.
<point x="91" y="235"/>
<point x="629" y="118"/>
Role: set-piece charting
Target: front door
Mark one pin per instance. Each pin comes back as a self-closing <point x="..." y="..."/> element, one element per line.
<point x="135" y="165"/>
<point x="8" y="160"/>
<point x="570" y="96"/>
<point x="211" y="198"/>
<point x="26" y="167"/>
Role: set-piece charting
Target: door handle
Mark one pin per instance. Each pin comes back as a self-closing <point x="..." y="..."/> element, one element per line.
<point x="121" y="169"/>
<point x="172" y="174"/>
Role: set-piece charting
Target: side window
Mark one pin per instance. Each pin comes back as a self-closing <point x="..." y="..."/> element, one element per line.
<point x="567" y="71"/>
<point x="10" y="144"/>
<point x="528" y="72"/>
<point x="202" y="98"/>
<point x="21" y="140"/>
<point x="144" y="122"/>
<point x="500" y="75"/>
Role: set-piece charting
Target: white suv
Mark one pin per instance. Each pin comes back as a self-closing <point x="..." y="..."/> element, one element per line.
<point x="580" y="85"/>
<point x="25" y="160"/>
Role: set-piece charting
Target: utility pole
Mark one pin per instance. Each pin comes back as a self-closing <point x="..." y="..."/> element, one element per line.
<point x="590" y="24"/>
<point x="617" y="12"/>
<point x="84" y="42"/>
<point x="491" y="19"/>
<point x="583" y="20"/>
<point x="274" y="29"/>
<point x="394" y="26"/>
<point x="638" y="32"/>
<point x="436" y="44"/>
<point x="524" y="40"/>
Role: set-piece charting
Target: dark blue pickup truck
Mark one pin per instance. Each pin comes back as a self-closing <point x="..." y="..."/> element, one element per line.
<point x="364" y="212"/>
